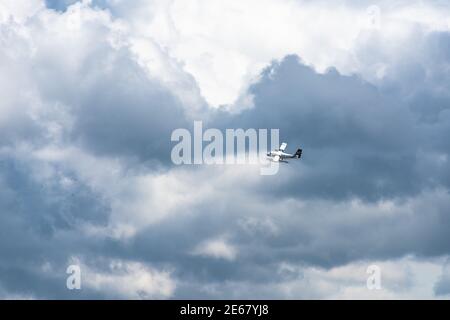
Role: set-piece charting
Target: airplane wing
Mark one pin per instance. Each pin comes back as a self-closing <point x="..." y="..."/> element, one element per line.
<point x="276" y="159"/>
<point x="283" y="146"/>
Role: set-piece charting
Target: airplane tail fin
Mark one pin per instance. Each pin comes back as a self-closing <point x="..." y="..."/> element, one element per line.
<point x="298" y="153"/>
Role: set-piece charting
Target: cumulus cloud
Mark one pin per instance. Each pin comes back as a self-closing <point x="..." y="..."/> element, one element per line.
<point x="442" y="286"/>
<point x="225" y="45"/>
<point x="93" y="89"/>
<point x="216" y="248"/>
<point x="405" y="278"/>
<point x="129" y="280"/>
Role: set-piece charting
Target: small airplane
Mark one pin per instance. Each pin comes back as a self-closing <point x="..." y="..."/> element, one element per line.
<point x="278" y="155"/>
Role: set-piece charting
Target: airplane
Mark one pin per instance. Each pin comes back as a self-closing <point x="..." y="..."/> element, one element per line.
<point x="278" y="155"/>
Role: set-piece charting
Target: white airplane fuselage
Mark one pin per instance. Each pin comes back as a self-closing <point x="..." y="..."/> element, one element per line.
<point x="281" y="154"/>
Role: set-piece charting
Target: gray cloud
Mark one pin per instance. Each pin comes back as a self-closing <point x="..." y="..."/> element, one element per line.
<point x="359" y="140"/>
<point x="373" y="183"/>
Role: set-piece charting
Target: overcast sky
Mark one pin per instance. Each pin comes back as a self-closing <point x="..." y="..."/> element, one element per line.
<point x="91" y="91"/>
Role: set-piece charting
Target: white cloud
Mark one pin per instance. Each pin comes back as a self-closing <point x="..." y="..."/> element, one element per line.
<point x="225" y="44"/>
<point x="18" y="10"/>
<point x="442" y="286"/>
<point x="128" y="280"/>
<point x="216" y="248"/>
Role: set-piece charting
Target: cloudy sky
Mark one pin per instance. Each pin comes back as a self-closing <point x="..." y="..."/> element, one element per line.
<point x="91" y="91"/>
